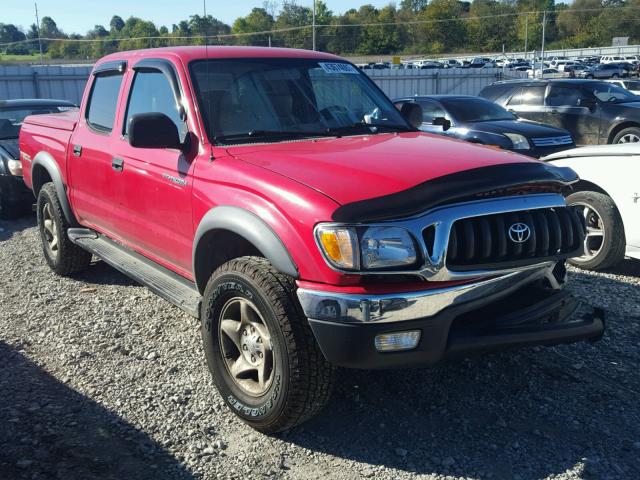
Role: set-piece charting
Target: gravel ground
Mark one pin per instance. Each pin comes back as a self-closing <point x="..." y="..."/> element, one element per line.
<point x="102" y="379"/>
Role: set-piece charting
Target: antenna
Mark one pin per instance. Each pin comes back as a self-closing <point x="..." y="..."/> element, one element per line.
<point x="208" y="97"/>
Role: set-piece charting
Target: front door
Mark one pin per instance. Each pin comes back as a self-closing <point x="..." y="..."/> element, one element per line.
<point x="155" y="185"/>
<point x="575" y="110"/>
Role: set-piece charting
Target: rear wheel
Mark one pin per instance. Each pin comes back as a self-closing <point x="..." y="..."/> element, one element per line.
<point x="628" y="135"/>
<point x="605" y="241"/>
<point x="260" y="350"/>
<point x="61" y="254"/>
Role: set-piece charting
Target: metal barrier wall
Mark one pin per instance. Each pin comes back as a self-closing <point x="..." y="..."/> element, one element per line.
<point x="67" y="82"/>
<point x="463" y="81"/>
<point x="59" y="82"/>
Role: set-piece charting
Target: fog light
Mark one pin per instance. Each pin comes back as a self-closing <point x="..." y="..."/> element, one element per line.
<point x="394" y="342"/>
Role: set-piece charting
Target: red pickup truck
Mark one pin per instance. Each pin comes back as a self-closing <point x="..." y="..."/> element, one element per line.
<point x="280" y="197"/>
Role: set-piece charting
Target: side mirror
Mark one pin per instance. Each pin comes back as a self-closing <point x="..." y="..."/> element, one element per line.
<point x="412" y="113"/>
<point x="589" y="103"/>
<point x="153" y="130"/>
<point x="442" y="122"/>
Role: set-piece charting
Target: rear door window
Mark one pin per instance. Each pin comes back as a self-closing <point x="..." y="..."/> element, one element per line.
<point x="528" y="96"/>
<point x="103" y="100"/>
<point x="564" y="96"/>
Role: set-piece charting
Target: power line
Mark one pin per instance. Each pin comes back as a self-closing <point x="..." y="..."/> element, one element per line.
<point x="304" y="27"/>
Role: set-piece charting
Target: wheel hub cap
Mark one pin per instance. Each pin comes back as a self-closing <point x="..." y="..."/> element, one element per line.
<point x="245" y="344"/>
<point x="50" y="230"/>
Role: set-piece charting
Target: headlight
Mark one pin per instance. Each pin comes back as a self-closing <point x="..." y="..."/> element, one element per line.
<point x="15" y="167"/>
<point x="520" y="142"/>
<point x="366" y="248"/>
<point x="384" y="247"/>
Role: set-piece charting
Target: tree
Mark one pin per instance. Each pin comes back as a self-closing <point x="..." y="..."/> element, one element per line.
<point x="489" y="25"/>
<point x="257" y="21"/>
<point x="116" y="24"/>
<point x="444" y="31"/>
<point x="291" y="16"/>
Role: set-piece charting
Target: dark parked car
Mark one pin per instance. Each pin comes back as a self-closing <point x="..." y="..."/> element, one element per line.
<point x="481" y="121"/>
<point x="594" y="112"/>
<point x="14" y="195"/>
<point x="604" y="70"/>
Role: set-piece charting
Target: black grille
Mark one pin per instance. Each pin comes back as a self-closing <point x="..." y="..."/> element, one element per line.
<point x="486" y="242"/>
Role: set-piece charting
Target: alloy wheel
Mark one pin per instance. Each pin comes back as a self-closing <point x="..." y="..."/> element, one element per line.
<point x="50" y="229"/>
<point x="629" y="138"/>
<point x="245" y="344"/>
<point x="594" y="238"/>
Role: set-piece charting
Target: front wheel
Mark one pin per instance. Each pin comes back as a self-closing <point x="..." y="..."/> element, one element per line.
<point x="604" y="244"/>
<point x="260" y="349"/>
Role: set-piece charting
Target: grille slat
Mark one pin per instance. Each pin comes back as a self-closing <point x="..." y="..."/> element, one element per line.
<point x="552" y="141"/>
<point x="486" y="241"/>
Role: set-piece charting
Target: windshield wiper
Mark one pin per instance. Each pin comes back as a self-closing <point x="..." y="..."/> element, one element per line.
<point x="367" y="128"/>
<point x="255" y="134"/>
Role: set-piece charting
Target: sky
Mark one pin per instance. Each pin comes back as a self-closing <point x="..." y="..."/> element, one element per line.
<point x="79" y="16"/>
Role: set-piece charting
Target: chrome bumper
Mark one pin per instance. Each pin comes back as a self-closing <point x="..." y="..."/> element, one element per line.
<point x="398" y="307"/>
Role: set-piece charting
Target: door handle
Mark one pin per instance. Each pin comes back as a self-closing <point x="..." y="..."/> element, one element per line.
<point x="117" y="164"/>
<point x="77" y="150"/>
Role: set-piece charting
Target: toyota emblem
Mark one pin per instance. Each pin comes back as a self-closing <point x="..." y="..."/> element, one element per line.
<point x="519" y="232"/>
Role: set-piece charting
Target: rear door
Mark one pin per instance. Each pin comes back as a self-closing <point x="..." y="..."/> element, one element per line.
<point x="528" y="102"/>
<point x="154" y="185"/>
<point x="565" y="108"/>
<point x="89" y="154"/>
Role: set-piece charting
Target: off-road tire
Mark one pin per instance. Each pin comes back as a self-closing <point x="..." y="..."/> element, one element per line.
<point x="302" y="379"/>
<point x="70" y="258"/>
<point x="614" y="244"/>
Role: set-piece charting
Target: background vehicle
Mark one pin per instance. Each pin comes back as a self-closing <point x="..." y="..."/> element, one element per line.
<point x="604" y="70"/>
<point x="279" y="196"/>
<point x="478" y="120"/>
<point x="632" y="85"/>
<point x="611" y="59"/>
<point x="15" y="197"/>
<point x="595" y="112"/>
<point x="608" y="196"/>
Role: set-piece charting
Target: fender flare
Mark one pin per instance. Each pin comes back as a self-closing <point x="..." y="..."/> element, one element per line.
<point x="46" y="161"/>
<point x="253" y="229"/>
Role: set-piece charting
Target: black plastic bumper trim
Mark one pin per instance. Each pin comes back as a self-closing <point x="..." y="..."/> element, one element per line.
<point x="547" y="322"/>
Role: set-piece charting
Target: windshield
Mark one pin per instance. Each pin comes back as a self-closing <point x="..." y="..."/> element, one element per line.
<point x="11" y="118"/>
<point x="472" y="109"/>
<point x="608" y="92"/>
<point x="274" y="99"/>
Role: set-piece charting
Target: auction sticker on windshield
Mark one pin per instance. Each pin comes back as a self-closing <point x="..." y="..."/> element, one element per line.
<point x="338" y="68"/>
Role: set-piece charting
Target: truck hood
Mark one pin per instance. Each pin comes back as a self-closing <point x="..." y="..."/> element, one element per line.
<point x="354" y="168"/>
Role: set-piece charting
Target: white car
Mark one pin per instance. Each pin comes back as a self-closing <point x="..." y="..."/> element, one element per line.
<point x="608" y="195"/>
<point x="632" y="85"/>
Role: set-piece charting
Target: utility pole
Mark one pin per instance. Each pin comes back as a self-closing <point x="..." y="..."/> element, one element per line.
<point x="38" y="30"/>
<point x="544" y="28"/>
<point x="526" y="35"/>
<point x="314" y="25"/>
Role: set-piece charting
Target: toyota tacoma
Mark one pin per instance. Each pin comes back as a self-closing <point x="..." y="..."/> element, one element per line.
<point x="280" y="197"/>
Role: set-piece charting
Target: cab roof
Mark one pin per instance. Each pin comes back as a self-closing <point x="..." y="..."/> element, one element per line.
<point x="188" y="54"/>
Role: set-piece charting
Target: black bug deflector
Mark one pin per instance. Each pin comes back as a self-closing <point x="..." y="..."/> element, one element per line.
<point x="459" y="186"/>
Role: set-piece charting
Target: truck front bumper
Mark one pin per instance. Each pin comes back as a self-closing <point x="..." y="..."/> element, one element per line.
<point x="509" y="311"/>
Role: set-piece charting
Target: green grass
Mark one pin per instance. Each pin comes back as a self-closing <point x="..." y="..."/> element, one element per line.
<point x="20" y="58"/>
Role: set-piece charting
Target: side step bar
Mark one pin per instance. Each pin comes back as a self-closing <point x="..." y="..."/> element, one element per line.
<point x="169" y="285"/>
